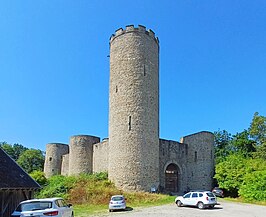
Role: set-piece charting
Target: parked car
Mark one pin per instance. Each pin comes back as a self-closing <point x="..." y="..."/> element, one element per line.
<point x="218" y="192"/>
<point x="200" y="199"/>
<point x="56" y="207"/>
<point x="117" y="202"/>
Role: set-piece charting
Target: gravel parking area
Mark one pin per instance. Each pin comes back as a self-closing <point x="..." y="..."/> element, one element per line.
<point x="224" y="209"/>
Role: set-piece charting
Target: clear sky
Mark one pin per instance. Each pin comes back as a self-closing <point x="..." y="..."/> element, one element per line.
<point x="54" y="69"/>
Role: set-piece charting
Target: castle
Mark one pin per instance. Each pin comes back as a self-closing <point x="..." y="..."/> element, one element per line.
<point x="134" y="156"/>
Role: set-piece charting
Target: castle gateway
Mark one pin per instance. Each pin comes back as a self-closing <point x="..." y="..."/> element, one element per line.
<point x="134" y="156"/>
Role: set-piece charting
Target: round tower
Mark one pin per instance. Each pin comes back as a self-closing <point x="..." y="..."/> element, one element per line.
<point x="134" y="109"/>
<point x="53" y="158"/>
<point x="81" y="154"/>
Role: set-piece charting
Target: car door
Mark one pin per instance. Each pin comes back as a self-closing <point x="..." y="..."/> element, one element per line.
<point x="194" y="199"/>
<point x="186" y="199"/>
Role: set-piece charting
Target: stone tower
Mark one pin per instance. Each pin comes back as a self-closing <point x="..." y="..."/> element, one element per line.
<point x="81" y="154"/>
<point x="53" y="158"/>
<point x="200" y="160"/>
<point x="134" y="109"/>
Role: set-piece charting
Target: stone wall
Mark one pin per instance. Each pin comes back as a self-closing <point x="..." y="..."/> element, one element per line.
<point x="200" y="160"/>
<point x="53" y="158"/>
<point x="100" y="156"/>
<point x="172" y="152"/>
<point x="134" y="109"/>
<point x="65" y="165"/>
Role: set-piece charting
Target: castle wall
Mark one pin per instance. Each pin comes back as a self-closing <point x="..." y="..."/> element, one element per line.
<point x="172" y="152"/>
<point x="134" y="109"/>
<point x="200" y="160"/>
<point x="100" y="156"/>
<point x="81" y="154"/>
<point x="65" y="165"/>
<point x="53" y="158"/>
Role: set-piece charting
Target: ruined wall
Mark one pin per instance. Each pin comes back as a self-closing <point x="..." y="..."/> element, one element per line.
<point x="81" y="154"/>
<point x="176" y="153"/>
<point x="134" y="109"/>
<point x="200" y="160"/>
<point x="53" y="158"/>
<point x="100" y="156"/>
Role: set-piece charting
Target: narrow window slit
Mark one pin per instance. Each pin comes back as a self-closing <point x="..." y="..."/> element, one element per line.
<point x="129" y="123"/>
<point x="116" y="88"/>
<point x="144" y="71"/>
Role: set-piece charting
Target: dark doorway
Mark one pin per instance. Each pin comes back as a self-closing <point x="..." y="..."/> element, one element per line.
<point x="171" y="178"/>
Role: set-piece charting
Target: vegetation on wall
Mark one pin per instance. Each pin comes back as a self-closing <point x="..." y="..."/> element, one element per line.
<point x="241" y="161"/>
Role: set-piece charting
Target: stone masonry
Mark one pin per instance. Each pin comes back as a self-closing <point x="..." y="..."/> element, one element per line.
<point x="133" y="155"/>
<point x="134" y="109"/>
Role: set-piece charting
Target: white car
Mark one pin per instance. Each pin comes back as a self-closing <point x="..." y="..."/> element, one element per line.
<point x="117" y="202"/>
<point x="56" y="207"/>
<point x="201" y="199"/>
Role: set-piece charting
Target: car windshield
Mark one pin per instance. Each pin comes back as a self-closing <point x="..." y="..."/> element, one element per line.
<point x="210" y="194"/>
<point x="31" y="206"/>
<point x="117" y="198"/>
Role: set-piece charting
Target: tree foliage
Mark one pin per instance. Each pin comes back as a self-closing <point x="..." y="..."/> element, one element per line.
<point x="14" y="151"/>
<point x="258" y="133"/>
<point x="28" y="159"/>
<point x="254" y="186"/>
<point x="222" y="145"/>
<point x="39" y="177"/>
<point x="243" y="144"/>
<point x="31" y="160"/>
<point x="241" y="160"/>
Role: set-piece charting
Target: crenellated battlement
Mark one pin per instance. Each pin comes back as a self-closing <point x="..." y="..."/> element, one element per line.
<point x="132" y="28"/>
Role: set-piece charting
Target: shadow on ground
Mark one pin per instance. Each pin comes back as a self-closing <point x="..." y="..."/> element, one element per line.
<point x="128" y="209"/>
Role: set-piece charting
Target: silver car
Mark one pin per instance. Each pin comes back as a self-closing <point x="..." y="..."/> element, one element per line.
<point x="117" y="202"/>
<point x="56" y="207"/>
<point x="200" y="199"/>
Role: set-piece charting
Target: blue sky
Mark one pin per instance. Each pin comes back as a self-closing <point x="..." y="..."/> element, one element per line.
<point x="54" y="69"/>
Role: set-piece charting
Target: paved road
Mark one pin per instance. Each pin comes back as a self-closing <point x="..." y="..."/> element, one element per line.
<point x="224" y="209"/>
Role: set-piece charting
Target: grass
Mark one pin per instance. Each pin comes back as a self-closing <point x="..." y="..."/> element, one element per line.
<point x="90" y="194"/>
<point x="134" y="200"/>
<point x="241" y="200"/>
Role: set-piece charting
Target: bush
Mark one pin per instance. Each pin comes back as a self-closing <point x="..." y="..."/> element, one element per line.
<point x="58" y="186"/>
<point x="39" y="177"/>
<point x="254" y="186"/>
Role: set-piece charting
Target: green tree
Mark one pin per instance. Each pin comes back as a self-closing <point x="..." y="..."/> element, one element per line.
<point x="243" y="144"/>
<point x="258" y="128"/>
<point x="254" y="186"/>
<point x="222" y="145"/>
<point x="14" y="151"/>
<point x="8" y="149"/>
<point x="18" y="150"/>
<point x="230" y="173"/>
<point x="257" y="131"/>
<point x="31" y="160"/>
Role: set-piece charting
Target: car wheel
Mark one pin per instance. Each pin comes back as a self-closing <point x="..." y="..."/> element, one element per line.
<point x="178" y="203"/>
<point x="110" y="210"/>
<point x="200" y="205"/>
